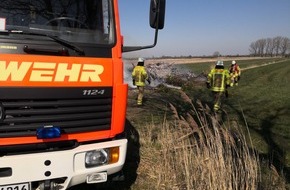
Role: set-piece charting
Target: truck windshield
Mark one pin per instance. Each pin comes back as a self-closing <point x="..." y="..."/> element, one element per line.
<point x="77" y="21"/>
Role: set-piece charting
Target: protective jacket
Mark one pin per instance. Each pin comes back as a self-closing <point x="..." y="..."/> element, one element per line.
<point x="218" y="79"/>
<point x="235" y="70"/>
<point x="139" y="74"/>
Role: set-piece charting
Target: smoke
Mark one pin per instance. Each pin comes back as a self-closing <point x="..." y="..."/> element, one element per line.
<point x="159" y="74"/>
<point x="128" y="68"/>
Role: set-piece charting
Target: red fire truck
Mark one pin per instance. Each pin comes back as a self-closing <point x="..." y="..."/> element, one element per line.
<point x="62" y="94"/>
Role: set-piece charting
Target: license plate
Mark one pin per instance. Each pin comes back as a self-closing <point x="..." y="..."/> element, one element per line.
<point x="20" y="186"/>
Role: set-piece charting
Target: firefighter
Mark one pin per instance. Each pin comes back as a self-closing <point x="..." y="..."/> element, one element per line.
<point x="139" y="76"/>
<point x="235" y="73"/>
<point x="217" y="81"/>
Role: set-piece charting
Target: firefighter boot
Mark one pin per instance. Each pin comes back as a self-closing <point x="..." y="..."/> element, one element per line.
<point x="216" y="107"/>
<point x="140" y="100"/>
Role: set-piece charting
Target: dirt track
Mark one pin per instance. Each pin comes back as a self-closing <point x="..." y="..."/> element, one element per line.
<point x="255" y="66"/>
<point x="195" y="60"/>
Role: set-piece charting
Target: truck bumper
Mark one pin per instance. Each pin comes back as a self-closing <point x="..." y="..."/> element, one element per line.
<point x="66" y="168"/>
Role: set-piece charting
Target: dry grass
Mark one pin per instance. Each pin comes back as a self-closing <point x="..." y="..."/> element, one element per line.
<point x="196" y="151"/>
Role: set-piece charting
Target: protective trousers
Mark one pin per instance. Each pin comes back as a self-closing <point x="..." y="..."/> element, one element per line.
<point x="217" y="100"/>
<point x="234" y="79"/>
<point x="140" y="95"/>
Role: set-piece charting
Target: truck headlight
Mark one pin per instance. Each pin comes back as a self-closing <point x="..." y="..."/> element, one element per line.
<point x="102" y="156"/>
<point x="96" y="158"/>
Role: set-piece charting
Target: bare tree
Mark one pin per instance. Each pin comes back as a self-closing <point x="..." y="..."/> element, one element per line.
<point x="288" y="49"/>
<point x="216" y="54"/>
<point x="253" y="49"/>
<point x="284" y="46"/>
<point x="277" y="46"/>
<point x="261" y="44"/>
<point x="269" y="47"/>
<point x="277" y="43"/>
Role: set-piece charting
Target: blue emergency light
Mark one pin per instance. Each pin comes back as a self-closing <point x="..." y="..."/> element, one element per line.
<point x="48" y="132"/>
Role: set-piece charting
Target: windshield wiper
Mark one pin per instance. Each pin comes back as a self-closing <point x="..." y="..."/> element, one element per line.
<point x="55" y="38"/>
<point x="67" y="44"/>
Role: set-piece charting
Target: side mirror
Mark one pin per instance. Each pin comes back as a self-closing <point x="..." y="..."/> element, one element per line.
<point x="157" y="13"/>
<point x="157" y="16"/>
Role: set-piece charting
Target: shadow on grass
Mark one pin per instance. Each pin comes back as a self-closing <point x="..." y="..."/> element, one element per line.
<point x="276" y="155"/>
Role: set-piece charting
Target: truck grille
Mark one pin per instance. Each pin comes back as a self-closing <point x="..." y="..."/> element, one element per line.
<point x="21" y="117"/>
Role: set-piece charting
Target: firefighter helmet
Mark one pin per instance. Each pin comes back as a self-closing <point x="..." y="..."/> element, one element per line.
<point x="233" y="62"/>
<point x="140" y="60"/>
<point x="220" y="63"/>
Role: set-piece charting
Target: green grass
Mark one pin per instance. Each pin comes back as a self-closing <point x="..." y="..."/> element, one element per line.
<point x="263" y="95"/>
<point x="205" y="67"/>
<point x="262" y="99"/>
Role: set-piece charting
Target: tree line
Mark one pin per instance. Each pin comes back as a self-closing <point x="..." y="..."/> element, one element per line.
<point x="269" y="47"/>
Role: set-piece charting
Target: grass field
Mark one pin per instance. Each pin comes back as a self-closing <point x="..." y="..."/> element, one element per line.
<point x="262" y="102"/>
<point x="204" y="67"/>
<point x="259" y="107"/>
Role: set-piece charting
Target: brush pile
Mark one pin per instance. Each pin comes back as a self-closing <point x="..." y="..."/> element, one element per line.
<point x="167" y="74"/>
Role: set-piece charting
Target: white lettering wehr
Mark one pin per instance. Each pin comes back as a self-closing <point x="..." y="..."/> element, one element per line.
<point x="50" y="72"/>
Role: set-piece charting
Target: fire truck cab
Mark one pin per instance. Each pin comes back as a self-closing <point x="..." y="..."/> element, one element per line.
<point x="62" y="93"/>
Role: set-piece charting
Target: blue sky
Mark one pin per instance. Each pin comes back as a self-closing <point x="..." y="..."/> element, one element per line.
<point x="202" y="27"/>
